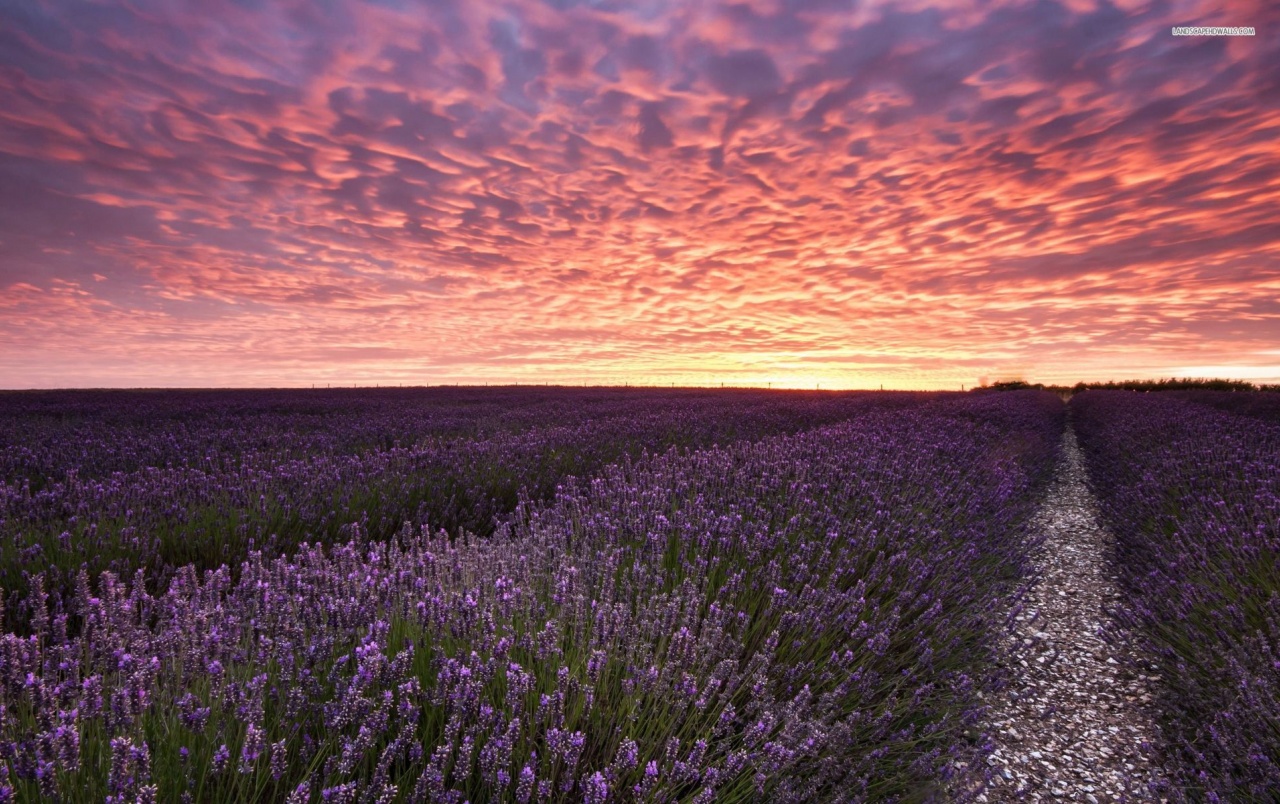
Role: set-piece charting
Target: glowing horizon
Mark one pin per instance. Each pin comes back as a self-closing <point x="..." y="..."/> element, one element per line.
<point x="825" y="193"/>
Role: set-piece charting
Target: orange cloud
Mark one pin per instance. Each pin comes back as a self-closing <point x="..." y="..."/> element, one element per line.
<point x="915" y="194"/>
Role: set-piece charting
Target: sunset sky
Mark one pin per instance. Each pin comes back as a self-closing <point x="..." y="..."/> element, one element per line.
<point x="243" y="193"/>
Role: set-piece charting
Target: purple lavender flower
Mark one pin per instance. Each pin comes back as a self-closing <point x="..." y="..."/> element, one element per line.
<point x="279" y="759"/>
<point x="254" y="742"/>
<point x="596" y="789"/>
<point x="525" y="786"/>
<point x="646" y="785"/>
<point x="220" y="758"/>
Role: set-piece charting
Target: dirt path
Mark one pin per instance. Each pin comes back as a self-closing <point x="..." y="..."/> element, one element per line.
<point x="1075" y="723"/>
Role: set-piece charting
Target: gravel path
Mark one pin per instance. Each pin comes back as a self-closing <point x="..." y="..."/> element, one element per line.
<point x="1075" y="722"/>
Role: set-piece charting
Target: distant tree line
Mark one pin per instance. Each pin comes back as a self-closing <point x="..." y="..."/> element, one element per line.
<point x="1166" y="384"/>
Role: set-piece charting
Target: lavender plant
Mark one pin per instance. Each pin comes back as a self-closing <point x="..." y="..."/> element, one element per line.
<point x="807" y="617"/>
<point x="1193" y="495"/>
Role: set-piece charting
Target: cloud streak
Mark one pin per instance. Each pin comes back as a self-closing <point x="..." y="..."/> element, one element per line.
<point x="283" y="193"/>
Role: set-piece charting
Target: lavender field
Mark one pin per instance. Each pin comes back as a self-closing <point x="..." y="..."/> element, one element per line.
<point x="554" y="595"/>
<point x="125" y="481"/>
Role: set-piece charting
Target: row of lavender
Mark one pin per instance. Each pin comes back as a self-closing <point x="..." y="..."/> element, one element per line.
<point x="1193" y="495"/>
<point x="45" y="434"/>
<point x="803" y="618"/>
<point x="1257" y="405"/>
<point x="122" y="481"/>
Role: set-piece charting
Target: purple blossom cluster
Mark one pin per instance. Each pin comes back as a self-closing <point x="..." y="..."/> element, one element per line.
<point x="1193" y="495"/>
<point x="126" y="480"/>
<point x="802" y="617"/>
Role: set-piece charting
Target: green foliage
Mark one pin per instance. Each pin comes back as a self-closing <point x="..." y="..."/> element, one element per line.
<point x="1167" y="384"/>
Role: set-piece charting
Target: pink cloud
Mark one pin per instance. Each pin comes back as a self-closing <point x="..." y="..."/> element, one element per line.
<point x="429" y="192"/>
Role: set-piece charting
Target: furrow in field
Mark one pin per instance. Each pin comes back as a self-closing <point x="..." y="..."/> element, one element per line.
<point x="1075" y="722"/>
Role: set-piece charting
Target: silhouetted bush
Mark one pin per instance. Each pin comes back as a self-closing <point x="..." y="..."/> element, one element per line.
<point x="1167" y="384"/>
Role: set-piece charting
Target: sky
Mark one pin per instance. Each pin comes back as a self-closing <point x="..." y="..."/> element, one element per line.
<point x="837" y="192"/>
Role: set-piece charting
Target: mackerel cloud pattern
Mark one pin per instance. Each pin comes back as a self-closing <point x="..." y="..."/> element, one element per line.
<point x="223" y="192"/>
